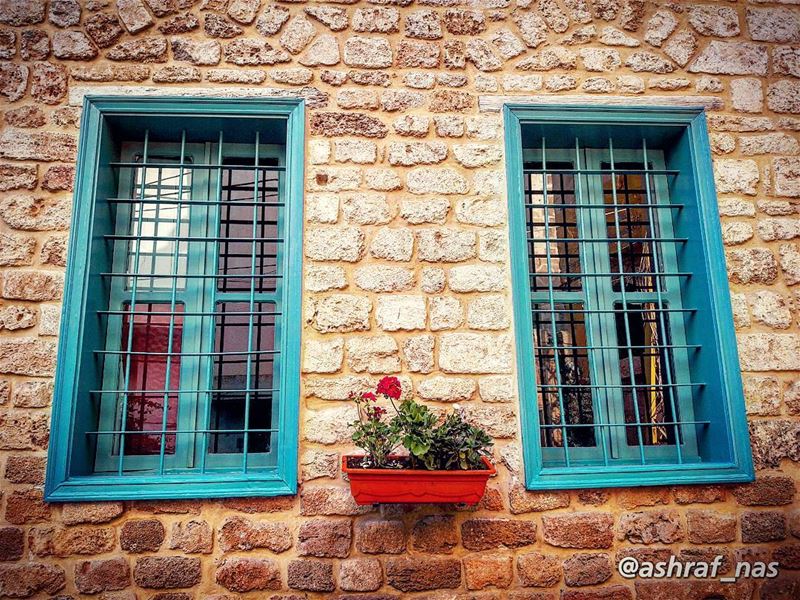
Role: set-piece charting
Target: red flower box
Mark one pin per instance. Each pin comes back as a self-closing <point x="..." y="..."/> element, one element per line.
<point x="413" y="486"/>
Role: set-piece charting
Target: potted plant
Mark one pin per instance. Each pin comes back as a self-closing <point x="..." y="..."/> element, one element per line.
<point x="445" y="459"/>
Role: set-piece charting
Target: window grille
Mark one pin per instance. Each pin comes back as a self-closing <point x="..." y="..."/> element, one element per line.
<point x="193" y="375"/>
<point x="611" y="289"/>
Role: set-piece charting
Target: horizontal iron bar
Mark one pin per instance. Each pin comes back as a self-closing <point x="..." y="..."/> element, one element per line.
<point x="610" y="205"/>
<point x="188" y="314"/>
<point x="178" y="431"/>
<point x="606" y="311"/>
<point x="665" y="346"/>
<point x="604" y="171"/>
<point x="196" y="166"/>
<point x="209" y="391"/>
<point x="233" y="353"/>
<point x="609" y="274"/>
<point x="169" y="238"/>
<point x="626" y="385"/>
<point x="676" y="240"/>
<point x="635" y="424"/>
<point x="190" y="276"/>
<point x="191" y="201"/>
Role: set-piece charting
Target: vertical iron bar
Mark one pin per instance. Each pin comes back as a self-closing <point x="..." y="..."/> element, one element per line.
<point x="657" y="280"/>
<point x="589" y="328"/>
<point x="253" y="251"/>
<point x="551" y="301"/>
<point x="207" y="415"/>
<point x="172" y="303"/>
<point x="131" y="323"/>
<point x="620" y="265"/>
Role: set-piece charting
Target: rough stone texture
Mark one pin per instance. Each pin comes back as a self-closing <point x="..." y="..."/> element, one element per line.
<point x="405" y="271"/>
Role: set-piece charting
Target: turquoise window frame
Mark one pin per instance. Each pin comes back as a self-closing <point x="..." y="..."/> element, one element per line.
<point x="718" y="452"/>
<point x="70" y="468"/>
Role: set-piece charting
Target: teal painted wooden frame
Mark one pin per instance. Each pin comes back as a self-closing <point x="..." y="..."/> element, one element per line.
<point x="63" y="483"/>
<point x="725" y="452"/>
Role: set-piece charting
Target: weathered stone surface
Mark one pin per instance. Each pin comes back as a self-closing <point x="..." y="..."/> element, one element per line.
<point x="786" y="60"/>
<point x="13" y="81"/>
<point x="710" y="527"/>
<point x="773" y="24"/>
<point x="182" y="23"/>
<point x="782" y="96"/>
<point x="474" y="353"/>
<point x="331" y="425"/>
<point x="134" y="15"/>
<point x="477" y="278"/>
<point x="392" y="244"/>
<point x="769" y="351"/>
<point x="197" y="53"/>
<point x="587" y="569"/>
<point x="487" y="571"/>
<point x="22" y="12"/>
<point x="323" y="356"/>
<point x="335" y="243"/>
<point x="383" y="278"/>
<point x="322" y="278"/>
<point x="166" y="572"/>
<point x="12" y="543"/>
<point x="752" y="265"/>
<point x="376" y="20"/>
<point x="239" y="533"/>
<point x="254" y="52"/>
<point x="92" y="577"/>
<point x="420" y="574"/>
<point x="248" y="574"/>
<point x="27" y="579"/>
<point x="324" y="538"/>
<point x="73" y="45"/>
<point x="532" y="28"/>
<point x="789" y="258"/>
<point x="272" y="19"/>
<point x="376" y="354"/>
<point x="380" y="537"/>
<point x="719" y="21"/>
<point x="485" y="534"/>
<point x="142" y="535"/>
<point x="142" y="50"/>
<point x="761" y="527"/>
<point x="446" y="389"/>
<point x="395" y="313"/>
<point x="342" y="124"/>
<point x="731" y="58"/>
<point x="522" y="501"/>
<point x="17" y="177"/>
<point x="367" y="53"/>
<point x="446" y="312"/>
<point x="311" y="575"/>
<point x="681" y="47"/>
<point x="579" y="530"/>
<point x="218" y="26"/>
<point x="360" y="575"/>
<point x="193" y="537"/>
<point x="32" y="285"/>
<point x="341" y="312"/>
<point x="538" y="570"/>
<point x="366" y="209"/>
<point x="787" y="177"/>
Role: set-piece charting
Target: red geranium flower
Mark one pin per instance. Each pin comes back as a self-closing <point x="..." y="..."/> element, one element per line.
<point x="369" y="396"/>
<point x="377" y="413"/>
<point x="390" y="386"/>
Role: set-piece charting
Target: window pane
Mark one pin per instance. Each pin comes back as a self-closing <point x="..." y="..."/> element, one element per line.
<point x="150" y="365"/>
<point x="555" y="220"/>
<point x="631" y="221"/>
<point x="237" y="228"/>
<point x="238" y="332"/>
<point x="643" y="365"/>
<point x="159" y="220"/>
<point x="562" y="371"/>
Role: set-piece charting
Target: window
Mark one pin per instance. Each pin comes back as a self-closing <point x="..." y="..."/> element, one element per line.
<point x="178" y="368"/>
<point x="628" y="372"/>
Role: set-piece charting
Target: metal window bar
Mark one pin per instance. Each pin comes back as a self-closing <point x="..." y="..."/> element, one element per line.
<point x="159" y="232"/>
<point x="554" y="331"/>
<point x="637" y="290"/>
<point x="660" y="302"/>
<point x="134" y="288"/>
<point x="620" y="263"/>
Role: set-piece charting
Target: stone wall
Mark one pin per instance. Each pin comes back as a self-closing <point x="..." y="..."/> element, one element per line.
<point x="406" y="272"/>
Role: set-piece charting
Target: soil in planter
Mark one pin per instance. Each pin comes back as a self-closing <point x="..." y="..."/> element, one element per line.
<point x="399" y="463"/>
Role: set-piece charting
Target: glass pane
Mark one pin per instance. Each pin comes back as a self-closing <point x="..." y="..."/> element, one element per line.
<point x="241" y="221"/>
<point x="645" y="377"/>
<point x="149" y="367"/>
<point x="562" y="364"/>
<point x="240" y="329"/>
<point x="557" y="222"/>
<point x="631" y="221"/>
<point x="160" y="221"/>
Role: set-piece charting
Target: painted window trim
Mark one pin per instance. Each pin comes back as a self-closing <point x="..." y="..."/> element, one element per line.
<point x="59" y="485"/>
<point x="693" y="121"/>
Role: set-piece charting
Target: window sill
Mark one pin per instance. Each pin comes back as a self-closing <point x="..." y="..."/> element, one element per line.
<point x="195" y="487"/>
<point x="638" y="475"/>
